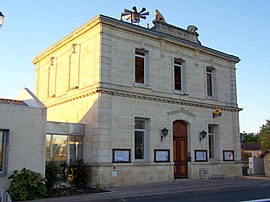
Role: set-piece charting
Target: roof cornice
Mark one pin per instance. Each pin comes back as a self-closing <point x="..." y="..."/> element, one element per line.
<point x="136" y="29"/>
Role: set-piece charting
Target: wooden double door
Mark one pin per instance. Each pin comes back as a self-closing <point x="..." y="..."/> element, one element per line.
<point x="180" y="149"/>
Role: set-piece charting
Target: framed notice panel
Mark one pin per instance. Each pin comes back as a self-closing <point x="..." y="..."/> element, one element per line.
<point x="121" y="155"/>
<point x="200" y="155"/>
<point x="162" y="155"/>
<point x="228" y="155"/>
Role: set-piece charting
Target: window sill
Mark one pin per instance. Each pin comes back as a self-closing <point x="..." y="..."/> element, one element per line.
<point x="211" y="98"/>
<point x="179" y="92"/>
<point x="140" y="85"/>
<point x="73" y="88"/>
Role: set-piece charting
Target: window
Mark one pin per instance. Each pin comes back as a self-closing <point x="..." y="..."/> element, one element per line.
<point x="75" y="148"/>
<point x="212" y="140"/>
<point x="210" y="81"/>
<point x="3" y="151"/>
<point x="140" y="139"/>
<point x="64" y="148"/>
<point x="140" y="67"/>
<point x="178" y="78"/>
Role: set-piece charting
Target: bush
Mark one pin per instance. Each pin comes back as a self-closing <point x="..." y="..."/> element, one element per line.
<point x="27" y="185"/>
<point x="80" y="174"/>
<point x="53" y="173"/>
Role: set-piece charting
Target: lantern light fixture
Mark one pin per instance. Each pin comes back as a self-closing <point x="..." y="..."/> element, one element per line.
<point x="164" y="132"/>
<point x="202" y="135"/>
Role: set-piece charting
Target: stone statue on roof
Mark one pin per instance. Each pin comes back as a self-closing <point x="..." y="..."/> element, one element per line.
<point x="159" y="16"/>
<point x="192" y="29"/>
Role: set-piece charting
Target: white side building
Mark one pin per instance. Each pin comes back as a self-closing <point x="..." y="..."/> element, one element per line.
<point x="22" y="135"/>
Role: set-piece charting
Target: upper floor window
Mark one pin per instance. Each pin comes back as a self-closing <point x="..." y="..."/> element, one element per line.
<point x="178" y="75"/>
<point x="212" y="140"/>
<point x="210" y="76"/>
<point x="3" y="151"/>
<point x="141" y="67"/>
<point x="140" y="139"/>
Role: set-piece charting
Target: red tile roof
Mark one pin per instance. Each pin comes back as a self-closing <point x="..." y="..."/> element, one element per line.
<point x="12" y="102"/>
<point x="264" y="153"/>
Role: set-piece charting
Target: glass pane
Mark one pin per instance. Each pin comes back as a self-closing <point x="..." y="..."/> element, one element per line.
<point x="211" y="146"/>
<point x="210" y="129"/>
<point x="177" y="77"/>
<point x="59" y="148"/>
<point x="48" y="147"/>
<point x="76" y="148"/>
<point x="139" y="69"/>
<point x="139" y="124"/>
<point x="209" y="84"/>
<point x="139" y="145"/>
<point x="1" y="150"/>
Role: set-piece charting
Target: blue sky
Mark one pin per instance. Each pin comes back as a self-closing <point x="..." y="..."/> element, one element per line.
<point x="239" y="28"/>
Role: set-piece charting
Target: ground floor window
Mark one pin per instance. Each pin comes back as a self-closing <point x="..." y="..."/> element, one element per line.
<point x="3" y="151"/>
<point x="212" y="141"/>
<point x="64" y="148"/>
<point x="140" y="139"/>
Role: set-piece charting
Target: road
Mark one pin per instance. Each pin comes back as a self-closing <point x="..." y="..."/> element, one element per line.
<point x="226" y="196"/>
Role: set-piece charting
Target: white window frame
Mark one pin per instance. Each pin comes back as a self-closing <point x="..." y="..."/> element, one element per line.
<point x="211" y="71"/>
<point x="181" y="76"/>
<point x="4" y="156"/>
<point x="145" y="65"/>
<point x="144" y="139"/>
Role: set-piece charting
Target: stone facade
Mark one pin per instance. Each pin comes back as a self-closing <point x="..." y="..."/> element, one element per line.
<point x="88" y="77"/>
<point x="25" y="122"/>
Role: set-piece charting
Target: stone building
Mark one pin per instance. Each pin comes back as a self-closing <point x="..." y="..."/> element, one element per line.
<point x="127" y="83"/>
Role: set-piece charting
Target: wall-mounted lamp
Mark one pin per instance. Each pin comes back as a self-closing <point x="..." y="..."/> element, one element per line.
<point x="164" y="132"/>
<point x="1" y="19"/>
<point x="202" y="135"/>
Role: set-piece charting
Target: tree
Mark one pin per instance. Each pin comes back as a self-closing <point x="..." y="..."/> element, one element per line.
<point x="264" y="134"/>
<point x="251" y="137"/>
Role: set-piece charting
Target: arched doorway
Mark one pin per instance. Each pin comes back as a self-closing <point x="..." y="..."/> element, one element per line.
<point x="180" y="149"/>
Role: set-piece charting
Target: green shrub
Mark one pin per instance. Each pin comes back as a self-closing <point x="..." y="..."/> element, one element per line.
<point x="80" y="174"/>
<point x="27" y="185"/>
<point x="53" y="173"/>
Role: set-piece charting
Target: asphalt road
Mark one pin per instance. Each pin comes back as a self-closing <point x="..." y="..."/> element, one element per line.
<point x="262" y="194"/>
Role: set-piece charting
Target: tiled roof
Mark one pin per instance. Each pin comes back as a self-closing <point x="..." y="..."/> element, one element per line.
<point x="12" y="102"/>
<point x="264" y="153"/>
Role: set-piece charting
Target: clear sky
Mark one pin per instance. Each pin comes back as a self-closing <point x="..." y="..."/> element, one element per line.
<point x="237" y="27"/>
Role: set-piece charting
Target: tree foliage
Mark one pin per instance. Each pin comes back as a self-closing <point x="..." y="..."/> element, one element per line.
<point x="251" y="137"/>
<point x="264" y="134"/>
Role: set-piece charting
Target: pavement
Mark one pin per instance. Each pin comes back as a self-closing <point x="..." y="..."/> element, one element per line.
<point x="176" y="187"/>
